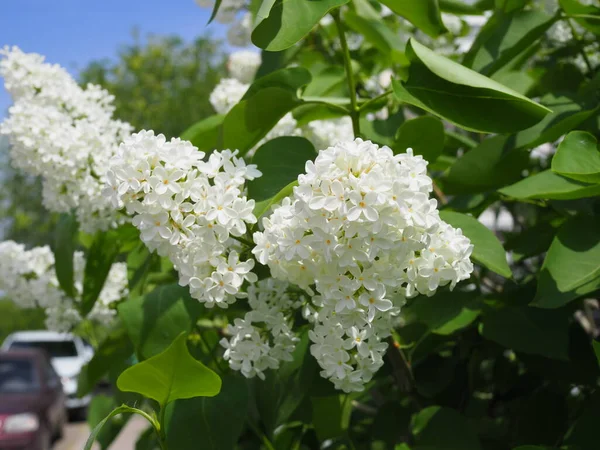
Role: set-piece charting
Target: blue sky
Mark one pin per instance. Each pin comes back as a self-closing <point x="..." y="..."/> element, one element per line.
<point x="74" y="32"/>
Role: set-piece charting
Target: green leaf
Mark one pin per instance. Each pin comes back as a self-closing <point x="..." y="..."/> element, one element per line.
<point x="425" y="135"/>
<point x="290" y="79"/>
<point x="529" y="330"/>
<point x="154" y="320"/>
<point x="442" y="428"/>
<point x="578" y="157"/>
<point x="289" y="21"/>
<point x="549" y="185"/>
<point x="423" y="14"/>
<point x="518" y="81"/>
<point x="596" y="346"/>
<point x="503" y="37"/>
<point x="327" y="82"/>
<point x="445" y="312"/>
<point x="214" y="423"/>
<point x="331" y="415"/>
<point x="366" y="21"/>
<point x="584" y="432"/>
<point x="215" y="11"/>
<point x="567" y="114"/>
<point x="462" y="96"/>
<point x="491" y="165"/>
<point x="263" y="207"/>
<point x="206" y="133"/>
<point x="571" y="267"/>
<point x="280" y="160"/>
<point x="267" y="100"/>
<point x="381" y="132"/>
<point x="99" y="260"/>
<point x="171" y="375"/>
<point x="575" y="8"/>
<point x="487" y="249"/>
<point x="100" y="407"/>
<point x="64" y="248"/>
<point x="111" y="355"/>
<point x="284" y="389"/>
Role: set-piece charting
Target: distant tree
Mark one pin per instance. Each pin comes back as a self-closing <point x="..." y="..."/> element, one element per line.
<point x="163" y="83"/>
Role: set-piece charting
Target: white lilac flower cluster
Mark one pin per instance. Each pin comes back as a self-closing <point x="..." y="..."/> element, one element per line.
<point x="28" y="278"/>
<point x="325" y="133"/>
<point x="264" y="337"/>
<point x="188" y="210"/>
<point x="361" y="227"/>
<point x="243" y="65"/>
<point x="240" y="28"/>
<point x="62" y="133"/>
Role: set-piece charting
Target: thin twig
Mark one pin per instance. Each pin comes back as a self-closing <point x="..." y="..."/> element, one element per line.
<point x="440" y="194"/>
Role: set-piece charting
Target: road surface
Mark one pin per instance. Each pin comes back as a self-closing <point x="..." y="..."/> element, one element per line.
<point x="76" y="434"/>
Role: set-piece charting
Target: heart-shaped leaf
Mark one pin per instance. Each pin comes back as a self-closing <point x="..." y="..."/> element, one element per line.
<point x="171" y="375"/>
<point x="423" y="14"/>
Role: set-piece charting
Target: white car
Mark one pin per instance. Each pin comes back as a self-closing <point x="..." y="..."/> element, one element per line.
<point x="68" y="354"/>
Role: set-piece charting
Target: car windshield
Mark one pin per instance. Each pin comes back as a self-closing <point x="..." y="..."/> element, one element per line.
<point x="56" y="349"/>
<point x="18" y="376"/>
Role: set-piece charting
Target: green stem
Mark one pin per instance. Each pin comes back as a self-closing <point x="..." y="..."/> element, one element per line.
<point x="583" y="16"/>
<point x="373" y="100"/>
<point x="160" y="431"/>
<point x="243" y="240"/>
<point x="313" y="101"/>
<point x="581" y="46"/>
<point x="355" y="111"/>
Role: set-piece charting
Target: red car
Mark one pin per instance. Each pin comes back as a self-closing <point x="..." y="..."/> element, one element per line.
<point x="32" y="402"/>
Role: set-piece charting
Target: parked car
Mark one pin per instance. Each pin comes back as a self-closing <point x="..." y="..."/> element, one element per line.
<point x="68" y="354"/>
<point x="32" y="402"/>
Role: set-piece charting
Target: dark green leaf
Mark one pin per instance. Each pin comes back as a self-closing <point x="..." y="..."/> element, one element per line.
<point x="542" y="418"/>
<point x="566" y="115"/>
<point x="596" y="346"/>
<point x="64" y="247"/>
<point x="215" y="10"/>
<point x="112" y="354"/>
<point x="462" y="96"/>
<point x="366" y="21"/>
<point x="445" y="312"/>
<point x="267" y="100"/>
<point x="492" y="164"/>
<point x="576" y="8"/>
<point x="213" y="423"/>
<point x="280" y="160"/>
<point x="381" y="132"/>
<point x="487" y="249"/>
<point x="100" y="407"/>
<point x="423" y="14"/>
<point x="529" y="330"/>
<point x="284" y="389"/>
<point x="263" y="207"/>
<point x="171" y="375"/>
<point x="99" y="260"/>
<point x="289" y="21"/>
<point x="531" y="241"/>
<point x="425" y="135"/>
<point x="154" y="320"/>
<point x="584" y="433"/>
<point x="441" y="428"/>
<point x="571" y="267"/>
<point x="577" y="157"/>
<point x="549" y="185"/>
<point x="331" y="415"/>
<point x="205" y="134"/>
<point x="503" y="37"/>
